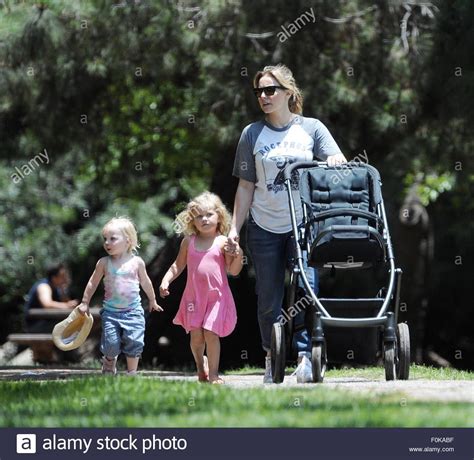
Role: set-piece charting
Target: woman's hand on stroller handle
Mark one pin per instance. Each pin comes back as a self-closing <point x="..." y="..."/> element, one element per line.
<point x="285" y="174"/>
<point x="336" y="160"/>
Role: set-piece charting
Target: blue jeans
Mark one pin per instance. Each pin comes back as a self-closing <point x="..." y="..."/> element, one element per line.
<point x="123" y="331"/>
<point x="271" y="255"/>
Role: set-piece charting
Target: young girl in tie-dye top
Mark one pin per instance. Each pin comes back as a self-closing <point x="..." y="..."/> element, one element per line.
<point x="123" y="321"/>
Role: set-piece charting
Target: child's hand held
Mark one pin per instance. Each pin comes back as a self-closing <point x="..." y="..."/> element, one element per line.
<point x="83" y="308"/>
<point x="164" y="291"/>
<point x="232" y="249"/>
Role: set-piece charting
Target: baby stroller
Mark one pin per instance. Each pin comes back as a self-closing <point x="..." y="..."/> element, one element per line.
<point x="344" y="228"/>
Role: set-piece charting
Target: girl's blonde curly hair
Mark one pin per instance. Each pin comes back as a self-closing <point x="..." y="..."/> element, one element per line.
<point x="184" y="222"/>
<point x="127" y="227"/>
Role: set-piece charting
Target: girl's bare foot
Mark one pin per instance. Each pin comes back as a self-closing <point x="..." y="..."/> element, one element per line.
<point x="216" y="381"/>
<point x="203" y="376"/>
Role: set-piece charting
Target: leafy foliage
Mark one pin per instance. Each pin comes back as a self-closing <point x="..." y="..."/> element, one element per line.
<point x="140" y="104"/>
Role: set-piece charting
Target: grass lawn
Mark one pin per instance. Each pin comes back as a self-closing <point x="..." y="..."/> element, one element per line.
<point x="416" y="372"/>
<point x="148" y="402"/>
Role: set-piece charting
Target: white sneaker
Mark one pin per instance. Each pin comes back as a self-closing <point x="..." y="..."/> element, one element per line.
<point x="267" y="378"/>
<point x="304" y="371"/>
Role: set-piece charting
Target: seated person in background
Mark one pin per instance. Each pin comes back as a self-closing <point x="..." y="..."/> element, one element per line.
<point x="50" y="292"/>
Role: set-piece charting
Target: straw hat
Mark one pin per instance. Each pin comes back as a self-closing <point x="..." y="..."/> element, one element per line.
<point x="73" y="331"/>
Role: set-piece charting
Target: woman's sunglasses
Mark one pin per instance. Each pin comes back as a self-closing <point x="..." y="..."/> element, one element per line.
<point x="268" y="90"/>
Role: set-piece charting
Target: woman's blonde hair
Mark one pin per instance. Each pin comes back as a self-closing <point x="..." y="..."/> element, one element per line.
<point x="184" y="222"/>
<point x="283" y="75"/>
<point x="127" y="227"/>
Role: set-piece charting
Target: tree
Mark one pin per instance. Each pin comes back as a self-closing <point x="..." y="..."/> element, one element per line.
<point x="140" y="105"/>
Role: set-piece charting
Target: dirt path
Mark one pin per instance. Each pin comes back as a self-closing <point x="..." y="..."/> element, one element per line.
<point x="420" y="389"/>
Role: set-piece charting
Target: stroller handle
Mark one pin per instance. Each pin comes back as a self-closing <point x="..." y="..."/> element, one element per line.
<point x="285" y="173"/>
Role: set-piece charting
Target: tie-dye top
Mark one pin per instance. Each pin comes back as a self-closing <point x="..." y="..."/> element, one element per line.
<point x="122" y="286"/>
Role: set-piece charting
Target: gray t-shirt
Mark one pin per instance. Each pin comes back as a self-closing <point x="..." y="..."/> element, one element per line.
<point x="264" y="150"/>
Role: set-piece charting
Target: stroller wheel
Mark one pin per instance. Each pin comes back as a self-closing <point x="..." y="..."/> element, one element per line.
<point x="390" y="359"/>
<point x="278" y="353"/>
<point x="403" y="348"/>
<point x="319" y="361"/>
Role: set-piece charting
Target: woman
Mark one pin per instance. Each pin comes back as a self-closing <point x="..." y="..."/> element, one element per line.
<point x="265" y="147"/>
<point x="50" y="292"/>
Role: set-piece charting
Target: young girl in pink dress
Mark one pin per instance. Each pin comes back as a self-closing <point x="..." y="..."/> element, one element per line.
<point x="207" y="309"/>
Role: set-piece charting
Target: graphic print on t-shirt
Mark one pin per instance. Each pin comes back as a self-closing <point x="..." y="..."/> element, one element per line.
<point x="275" y="156"/>
<point x="273" y="151"/>
<point x="272" y="165"/>
<point x="263" y="151"/>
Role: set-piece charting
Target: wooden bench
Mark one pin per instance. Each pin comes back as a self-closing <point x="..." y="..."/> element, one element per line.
<point x="42" y="344"/>
<point x="58" y="314"/>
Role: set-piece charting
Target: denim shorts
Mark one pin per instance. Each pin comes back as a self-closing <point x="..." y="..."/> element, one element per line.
<point x="271" y="254"/>
<point x="123" y="331"/>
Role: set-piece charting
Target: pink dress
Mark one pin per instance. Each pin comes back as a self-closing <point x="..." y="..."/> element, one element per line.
<point x="207" y="301"/>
